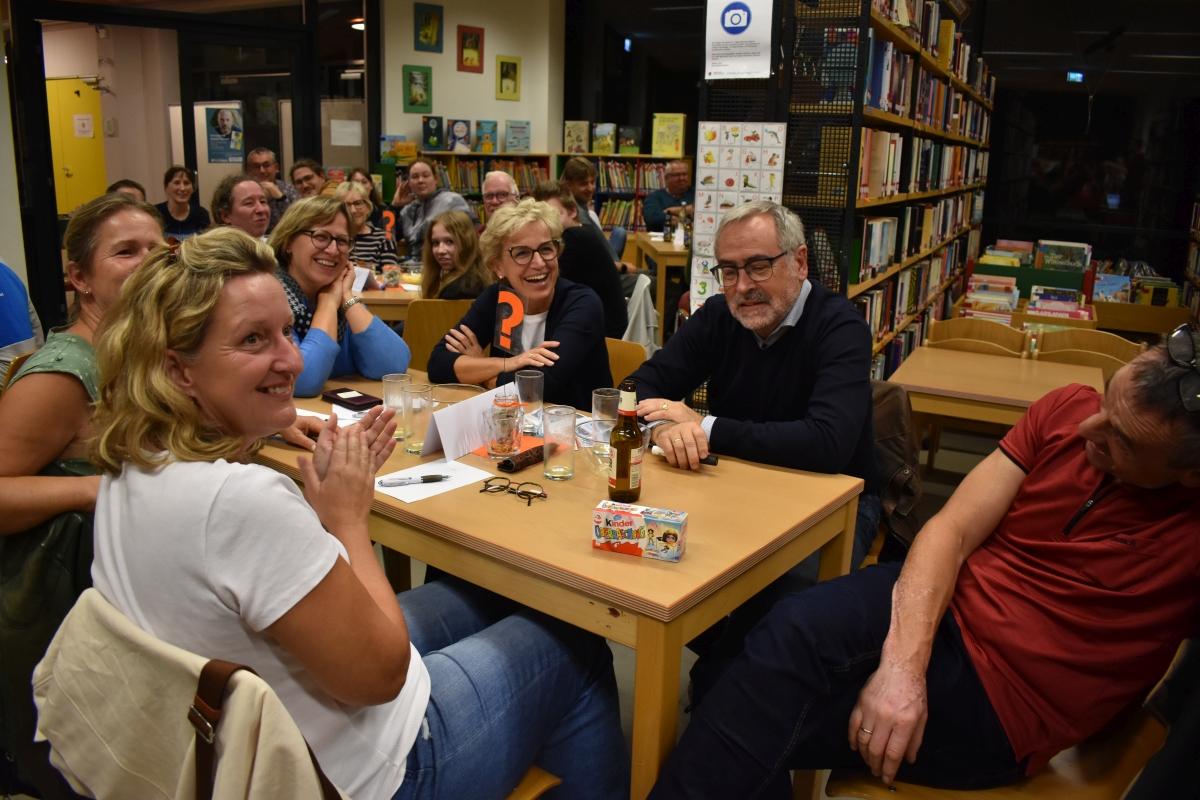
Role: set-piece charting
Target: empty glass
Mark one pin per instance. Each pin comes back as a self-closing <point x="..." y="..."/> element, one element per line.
<point x="558" y="431"/>
<point x="393" y="397"/>
<point x="604" y="419"/>
<point x="530" y="385"/>
<point x="418" y="405"/>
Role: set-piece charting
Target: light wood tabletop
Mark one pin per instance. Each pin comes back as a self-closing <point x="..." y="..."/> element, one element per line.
<point x="667" y="256"/>
<point x="740" y="537"/>
<point x="984" y="388"/>
<point x="390" y="305"/>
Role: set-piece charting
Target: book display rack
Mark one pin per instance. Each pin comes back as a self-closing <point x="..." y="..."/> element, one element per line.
<point x="889" y="119"/>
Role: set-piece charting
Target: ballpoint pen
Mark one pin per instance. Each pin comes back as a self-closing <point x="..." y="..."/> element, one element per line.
<point x="390" y="482"/>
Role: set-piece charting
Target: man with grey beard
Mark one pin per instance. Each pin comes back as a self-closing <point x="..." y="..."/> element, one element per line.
<point x="787" y="364"/>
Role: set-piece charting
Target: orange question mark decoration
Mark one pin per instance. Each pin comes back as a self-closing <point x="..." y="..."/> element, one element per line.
<point x="516" y="313"/>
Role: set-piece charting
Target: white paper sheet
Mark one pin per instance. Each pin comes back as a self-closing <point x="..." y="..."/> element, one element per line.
<point x="344" y="415"/>
<point x="360" y="279"/>
<point x="460" y="475"/>
<point x="345" y="133"/>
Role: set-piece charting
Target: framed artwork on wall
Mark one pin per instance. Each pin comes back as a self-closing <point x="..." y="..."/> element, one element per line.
<point x="418" y="89"/>
<point x="470" y="49"/>
<point x="508" y="77"/>
<point x="427" y="27"/>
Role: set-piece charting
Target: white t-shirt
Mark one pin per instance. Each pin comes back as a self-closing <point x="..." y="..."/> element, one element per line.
<point x="206" y="555"/>
<point x="533" y="330"/>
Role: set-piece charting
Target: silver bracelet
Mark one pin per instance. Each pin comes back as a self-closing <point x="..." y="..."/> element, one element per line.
<point x="353" y="301"/>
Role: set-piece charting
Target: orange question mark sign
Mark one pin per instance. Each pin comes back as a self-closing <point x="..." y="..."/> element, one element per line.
<point x="516" y="313"/>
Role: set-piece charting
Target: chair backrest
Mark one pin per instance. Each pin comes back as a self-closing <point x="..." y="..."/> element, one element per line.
<point x="616" y="240"/>
<point x="982" y="329"/>
<point x="623" y="357"/>
<point x="1084" y="358"/>
<point x="13" y="366"/>
<point x="1096" y="341"/>
<point x="426" y="324"/>
<point x="975" y="346"/>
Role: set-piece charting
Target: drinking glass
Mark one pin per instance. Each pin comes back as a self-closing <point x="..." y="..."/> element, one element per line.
<point x="393" y="397"/>
<point x="604" y="419"/>
<point x="530" y="385"/>
<point x="502" y="430"/>
<point x="418" y="403"/>
<point x="558" y="426"/>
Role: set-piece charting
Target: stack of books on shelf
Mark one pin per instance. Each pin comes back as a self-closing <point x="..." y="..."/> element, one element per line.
<point x="626" y="213"/>
<point x="889" y="306"/>
<point x="889" y="76"/>
<point x="993" y="297"/>
<point x="953" y="53"/>
<point x="466" y="176"/>
<point x="441" y="174"/>
<point x="1008" y="253"/>
<point x="879" y="163"/>
<point x="650" y="176"/>
<point x="937" y="165"/>
<point x="982" y="80"/>
<point x="1063" y="256"/>
<point x="527" y="173"/>
<point x="1155" y="290"/>
<point x="1052" y="301"/>
<point x="615" y="176"/>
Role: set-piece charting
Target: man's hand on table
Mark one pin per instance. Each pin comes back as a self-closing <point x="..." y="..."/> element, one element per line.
<point x="680" y="437"/>
<point x="888" y="722"/>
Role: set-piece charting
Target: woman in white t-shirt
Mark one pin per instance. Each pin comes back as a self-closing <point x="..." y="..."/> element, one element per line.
<point x="445" y="691"/>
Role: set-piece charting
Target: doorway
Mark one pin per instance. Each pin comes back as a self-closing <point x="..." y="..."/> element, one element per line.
<point x="76" y="146"/>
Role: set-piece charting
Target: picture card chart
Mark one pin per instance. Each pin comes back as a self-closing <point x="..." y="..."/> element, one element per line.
<point x="736" y="162"/>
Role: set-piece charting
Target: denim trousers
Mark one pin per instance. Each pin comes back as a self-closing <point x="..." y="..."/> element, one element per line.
<point x="785" y="701"/>
<point x="509" y="688"/>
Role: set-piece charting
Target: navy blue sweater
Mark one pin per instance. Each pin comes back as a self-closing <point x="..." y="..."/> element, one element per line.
<point x="804" y="402"/>
<point x="575" y="321"/>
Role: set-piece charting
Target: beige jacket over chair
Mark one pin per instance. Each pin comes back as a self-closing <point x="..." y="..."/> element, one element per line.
<point x="113" y="703"/>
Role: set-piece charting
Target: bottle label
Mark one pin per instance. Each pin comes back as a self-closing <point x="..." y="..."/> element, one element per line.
<point x="635" y="467"/>
<point x="628" y="404"/>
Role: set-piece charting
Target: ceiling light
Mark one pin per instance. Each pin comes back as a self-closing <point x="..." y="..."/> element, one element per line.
<point x="358" y="24"/>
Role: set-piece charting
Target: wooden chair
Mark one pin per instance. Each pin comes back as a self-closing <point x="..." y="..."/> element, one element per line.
<point x="1096" y="341"/>
<point x="623" y="357"/>
<point x="983" y="330"/>
<point x="1084" y="358"/>
<point x="13" y="366"/>
<point x="534" y="784"/>
<point x="427" y="323"/>
<point x="975" y="346"/>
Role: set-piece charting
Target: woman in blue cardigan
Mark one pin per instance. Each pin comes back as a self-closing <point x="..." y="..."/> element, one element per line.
<point x="562" y="329"/>
<point x="336" y="333"/>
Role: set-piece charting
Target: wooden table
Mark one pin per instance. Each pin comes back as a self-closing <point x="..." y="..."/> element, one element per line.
<point x="740" y="537"/>
<point x="666" y="255"/>
<point x="983" y="388"/>
<point x="390" y="305"/>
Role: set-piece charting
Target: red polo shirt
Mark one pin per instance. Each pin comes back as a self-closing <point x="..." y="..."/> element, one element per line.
<point x="1072" y="611"/>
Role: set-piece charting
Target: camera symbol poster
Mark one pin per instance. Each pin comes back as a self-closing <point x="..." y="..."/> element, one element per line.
<point x="737" y="39"/>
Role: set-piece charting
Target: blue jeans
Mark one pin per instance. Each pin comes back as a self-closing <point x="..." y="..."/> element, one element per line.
<point x="785" y="702"/>
<point x="719" y="645"/>
<point x="509" y="688"/>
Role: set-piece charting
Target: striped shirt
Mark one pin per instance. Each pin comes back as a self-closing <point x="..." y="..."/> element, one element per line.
<point x="374" y="249"/>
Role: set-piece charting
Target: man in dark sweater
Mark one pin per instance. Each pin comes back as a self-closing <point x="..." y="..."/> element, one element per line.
<point x="788" y="370"/>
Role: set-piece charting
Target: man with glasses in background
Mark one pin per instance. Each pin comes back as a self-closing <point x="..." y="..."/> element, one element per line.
<point x="499" y="189"/>
<point x="308" y="176"/>
<point x="262" y="164"/>
<point x="676" y="198"/>
<point x="1048" y="595"/>
<point x="788" y="369"/>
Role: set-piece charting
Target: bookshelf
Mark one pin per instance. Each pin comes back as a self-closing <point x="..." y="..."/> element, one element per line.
<point x="463" y="172"/>
<point x="889" y="111"/>
<point x="622" y="182"/>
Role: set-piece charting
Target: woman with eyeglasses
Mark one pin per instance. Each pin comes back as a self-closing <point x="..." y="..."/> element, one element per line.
<point x="372" y="247"/>
<point x="561" y="330"/>
<point x="336" y="333"/>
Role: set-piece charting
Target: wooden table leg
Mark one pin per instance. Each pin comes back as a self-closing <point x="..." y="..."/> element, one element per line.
<point x="655" y="700"/>
<point x="837" y="552"/>
<point x="398" y="568"/>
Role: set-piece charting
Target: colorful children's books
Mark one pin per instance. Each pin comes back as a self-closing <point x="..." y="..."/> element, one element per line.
<point x="458" y="135"/>
<point x="433" y="136"/>
<point x="486" y="138"/>
<point x="604" y="138"/>
<point x="575" y="136"/>
<point x="668" y="135"/>
<point x="517" y="135"/>
<point x="629" y="139"/>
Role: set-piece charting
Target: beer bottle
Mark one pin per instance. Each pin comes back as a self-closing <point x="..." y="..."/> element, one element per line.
<point x="625" y="449"/>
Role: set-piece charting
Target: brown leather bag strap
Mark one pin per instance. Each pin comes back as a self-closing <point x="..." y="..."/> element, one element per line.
<point x="205" y="714"/>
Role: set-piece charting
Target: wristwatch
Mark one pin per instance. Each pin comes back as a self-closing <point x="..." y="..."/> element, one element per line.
<point x="351" y="302"/>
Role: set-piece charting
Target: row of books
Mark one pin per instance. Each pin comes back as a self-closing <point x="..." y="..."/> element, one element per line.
<point x="941" y="106"/>
<point x="916" y="228"/>
<point x="887" y="306"/>
<point x="455" y="135"/>
<point x="629" y="177"/>
<point x="922" y="21"/>
<point x="885" y="362"/>
<point x="1057" y="302"/>
<point x="608" y="138"/>
<point x="993" y="297"/>
<point x="1045" y="254"/>
<point x="466" y="176"/>
<point x="889" y="76"/>
<point x="626" y="213"/>
<point x="932" y="164"/>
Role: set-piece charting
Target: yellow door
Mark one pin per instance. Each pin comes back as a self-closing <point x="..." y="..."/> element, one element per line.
<point x="76" y="142"/>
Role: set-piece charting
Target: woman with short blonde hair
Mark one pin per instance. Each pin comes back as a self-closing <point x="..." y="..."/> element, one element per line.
<point x="373" y="248"/>
<point x="562" y="327"/>
<point x="337" y="334"/>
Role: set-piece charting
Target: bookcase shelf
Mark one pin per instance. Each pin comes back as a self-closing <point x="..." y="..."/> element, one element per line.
<point x="909" y="197"/>
<point x="623" y="180"/>
<point x="892" y="32"/>
<point x="887" y="338"/>
<point x="464" y="172"/>
<point x="855" y="289"/>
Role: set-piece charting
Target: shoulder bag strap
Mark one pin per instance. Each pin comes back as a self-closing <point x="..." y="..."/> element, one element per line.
<point x="205" y="714"/>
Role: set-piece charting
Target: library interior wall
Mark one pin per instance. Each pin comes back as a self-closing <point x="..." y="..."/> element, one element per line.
<point x="141" y="67"/>
<point x="532" y="30"/>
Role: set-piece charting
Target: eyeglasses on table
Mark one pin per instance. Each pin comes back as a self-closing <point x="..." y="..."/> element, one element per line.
<point x="526" y="490"/>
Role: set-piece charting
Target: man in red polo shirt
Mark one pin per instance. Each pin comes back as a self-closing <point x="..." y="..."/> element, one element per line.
<point x="1050" y="593"/>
